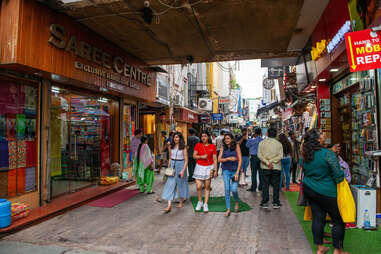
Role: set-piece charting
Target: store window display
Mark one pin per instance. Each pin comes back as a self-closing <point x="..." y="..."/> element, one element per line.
<point x="80" y="139"/>
<point x="129" y="126"/>
<point x="18" y="140"/>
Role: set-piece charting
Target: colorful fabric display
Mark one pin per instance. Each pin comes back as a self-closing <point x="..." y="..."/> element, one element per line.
<point x="30" y="129"/>
<point x="12" y="151"/>
<point x="4" y="155"/>
<point x="11" y="127"/>
<point x="12" y="183"/>
<point x="9" y="98"/>
<point x="20" y="215"/>
<point x="17" y="208"/>
<point x="31" y="153"/>
<point x="3" y="127"/>
<point x="30" y="100"/>
<point x="20" y="126"/>
<point x="21" y="154"/>
<point x="20" y="180"/>
<point x="30" y="179"/>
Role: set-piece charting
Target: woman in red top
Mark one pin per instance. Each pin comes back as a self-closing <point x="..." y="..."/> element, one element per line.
<point x="205" y="154"/>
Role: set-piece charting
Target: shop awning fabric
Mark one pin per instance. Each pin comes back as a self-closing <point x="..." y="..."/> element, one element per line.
<point x="267" y="107"/>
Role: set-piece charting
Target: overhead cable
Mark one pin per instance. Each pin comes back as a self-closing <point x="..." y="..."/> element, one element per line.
<point x="178" y="7"/>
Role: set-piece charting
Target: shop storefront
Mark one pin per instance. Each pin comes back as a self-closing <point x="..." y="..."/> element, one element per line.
<point x="347" y="102"/>
<point x="185" y="118"/>
<point x="67" y="110"/>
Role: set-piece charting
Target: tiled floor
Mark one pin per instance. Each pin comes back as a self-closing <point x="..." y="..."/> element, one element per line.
<point x="138" y="225"/>
<point x="62" y="203"/>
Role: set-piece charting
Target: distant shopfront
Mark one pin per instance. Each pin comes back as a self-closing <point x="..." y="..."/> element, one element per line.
<point x="69" y="104"/>
<point x="185" y="119"/>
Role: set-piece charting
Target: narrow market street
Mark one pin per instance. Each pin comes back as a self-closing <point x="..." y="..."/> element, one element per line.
<point x="139" y="225"/>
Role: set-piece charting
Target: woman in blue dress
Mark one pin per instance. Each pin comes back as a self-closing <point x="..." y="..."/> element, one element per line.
<point x="231" y="161"/>
<point x="177" y="185"/>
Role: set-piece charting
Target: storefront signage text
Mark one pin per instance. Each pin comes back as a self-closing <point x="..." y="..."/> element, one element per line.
<point x="93" y="54"/>
<point x="218" y="116"/>
<point x="317" y="51"/>
<point x="339" y="36"/>
<point x="224" y="100"/>
<point x="364" y="50"/>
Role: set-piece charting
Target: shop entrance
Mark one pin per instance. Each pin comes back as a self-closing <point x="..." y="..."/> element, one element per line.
<point x="80" y="139"/>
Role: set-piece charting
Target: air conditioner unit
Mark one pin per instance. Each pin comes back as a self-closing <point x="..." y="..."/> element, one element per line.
<point x="205" y="104"/>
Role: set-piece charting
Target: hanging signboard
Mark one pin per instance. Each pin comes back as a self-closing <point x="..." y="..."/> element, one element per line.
<point x="218" y="116"/>
<point x="364" y="50"/>
<point x="275" y="72"/>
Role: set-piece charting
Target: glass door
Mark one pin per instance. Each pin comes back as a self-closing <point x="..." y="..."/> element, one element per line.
<point x="80" y="139"/>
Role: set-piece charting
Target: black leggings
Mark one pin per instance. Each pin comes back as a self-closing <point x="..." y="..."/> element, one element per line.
<point x="320" y="206"/>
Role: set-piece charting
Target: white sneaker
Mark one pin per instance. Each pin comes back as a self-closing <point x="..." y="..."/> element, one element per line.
<point x="206" y="209"/>
<point x="199" y="205"/>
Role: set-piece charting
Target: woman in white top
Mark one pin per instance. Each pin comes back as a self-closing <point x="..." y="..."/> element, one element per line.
<point x="177" y="185"/>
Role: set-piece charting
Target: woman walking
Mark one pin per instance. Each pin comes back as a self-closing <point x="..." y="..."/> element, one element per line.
<point x="177" y="185"/>
<point x="286" y="160"/>
<point x="322" y="173"/>
<point x="142" y="167"/>
<point x="205" y="154"/>
<point x="231" y="159"/>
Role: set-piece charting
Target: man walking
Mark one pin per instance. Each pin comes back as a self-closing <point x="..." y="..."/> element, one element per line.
<point x="219" y="145"/>
<point x="244" y="150"/>
<point x="252" y="144"/>
<point x="191" y="143"/>
<point x="295" y="154"/>
<point x="270" y="153"/>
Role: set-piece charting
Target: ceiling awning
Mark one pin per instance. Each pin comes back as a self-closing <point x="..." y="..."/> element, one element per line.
<point x="268" y="107"/>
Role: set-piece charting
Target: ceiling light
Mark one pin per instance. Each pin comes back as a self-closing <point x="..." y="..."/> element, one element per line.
<point x="313" y="87"/>
<point x="334" y="70"/>
<point x="70" y="1"/>
<point x="322" y="79"/>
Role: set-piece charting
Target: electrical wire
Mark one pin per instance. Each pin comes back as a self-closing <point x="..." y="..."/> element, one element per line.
<point x="178" y="7"/>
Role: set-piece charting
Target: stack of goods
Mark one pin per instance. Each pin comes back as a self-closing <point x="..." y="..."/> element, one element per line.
<point x="19" y="211"/>
<point x="107" y="180"/>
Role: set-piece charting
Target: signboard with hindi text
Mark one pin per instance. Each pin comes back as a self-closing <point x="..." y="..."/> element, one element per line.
<point x="364" y="50"/>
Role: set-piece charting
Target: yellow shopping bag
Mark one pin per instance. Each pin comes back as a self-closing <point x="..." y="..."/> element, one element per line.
<point x="346" y="203"/>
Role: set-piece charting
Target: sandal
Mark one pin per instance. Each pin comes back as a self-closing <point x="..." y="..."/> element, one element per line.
<point x="323" y="251"/>
<point x="152" y="192"/>
<point x="167" y="210"/>
<point x="236" y="208"/>
<point x="180" y="205"/>
<point x="227" y="214"/>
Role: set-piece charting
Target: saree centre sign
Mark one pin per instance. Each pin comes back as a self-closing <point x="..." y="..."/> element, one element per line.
<point x="113" y="68"/>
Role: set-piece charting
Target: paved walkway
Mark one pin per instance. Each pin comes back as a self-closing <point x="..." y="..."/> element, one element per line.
<point x="139" y="226"/>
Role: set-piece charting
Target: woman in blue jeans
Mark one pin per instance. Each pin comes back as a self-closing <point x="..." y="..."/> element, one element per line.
<point x="286" y="160"/>
<point x="231" y="160"/>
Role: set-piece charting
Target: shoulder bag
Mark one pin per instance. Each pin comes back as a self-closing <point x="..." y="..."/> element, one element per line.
<point x="171" y="171"/>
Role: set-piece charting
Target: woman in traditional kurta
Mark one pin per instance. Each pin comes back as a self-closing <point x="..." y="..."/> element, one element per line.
<point x="177" y="185"/>
<point x="142" y="167"/>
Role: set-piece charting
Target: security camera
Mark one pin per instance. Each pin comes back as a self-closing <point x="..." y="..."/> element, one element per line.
<point x="146" y="4"/>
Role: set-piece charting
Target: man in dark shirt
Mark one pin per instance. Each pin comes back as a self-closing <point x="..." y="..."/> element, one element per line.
<point x="244" y="150"/>
<point x="191" y="143"/>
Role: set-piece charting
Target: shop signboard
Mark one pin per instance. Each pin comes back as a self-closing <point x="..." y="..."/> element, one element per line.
<point x="286" y="114"/>
<point x="205" y="118"/>
<point x="364" y="50"/>
<point x="224" y="100"/>
<point x="218" y="116"/>
<point x="275" y="72"/>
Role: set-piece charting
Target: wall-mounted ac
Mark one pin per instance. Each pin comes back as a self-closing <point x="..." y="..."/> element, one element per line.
<point x="177" y="101"/>
<point x="205" y="104"/>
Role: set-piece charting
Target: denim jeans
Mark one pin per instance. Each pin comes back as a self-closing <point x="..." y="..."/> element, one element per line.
<point x="230" y="186"/>
<point x="286" y="163"/>
<point x="255" y="165"/>
<point x="245" y="163"/>
<point x="270" y="177"/>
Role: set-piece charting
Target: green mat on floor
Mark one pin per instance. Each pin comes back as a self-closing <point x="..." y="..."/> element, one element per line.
<point x="217" y="204"/>
<point x="356" y="241"/>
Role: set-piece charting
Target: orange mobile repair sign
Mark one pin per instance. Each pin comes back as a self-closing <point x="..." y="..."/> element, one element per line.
<point x="364" y="50"/>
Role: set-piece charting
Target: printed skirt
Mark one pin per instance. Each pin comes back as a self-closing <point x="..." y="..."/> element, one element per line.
<point x="202" y="172"/>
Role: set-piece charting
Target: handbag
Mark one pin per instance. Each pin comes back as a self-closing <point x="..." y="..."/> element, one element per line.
<point x="345" y="202"/>
<point x="171" y="171"/>
<point x="301" y="198"/>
